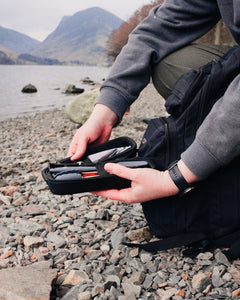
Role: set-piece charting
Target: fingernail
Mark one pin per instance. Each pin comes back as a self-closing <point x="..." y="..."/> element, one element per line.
<point x="108" y="167"/>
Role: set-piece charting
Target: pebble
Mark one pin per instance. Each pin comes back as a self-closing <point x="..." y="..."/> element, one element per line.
<point x="76" y="240"/>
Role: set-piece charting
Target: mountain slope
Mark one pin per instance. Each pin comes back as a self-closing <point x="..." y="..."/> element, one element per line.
<point x="15" y="41"/>
<point x="80" y="38"/>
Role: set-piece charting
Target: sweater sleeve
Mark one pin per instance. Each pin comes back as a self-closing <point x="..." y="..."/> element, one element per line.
<point x="218" y="139"/>
<point x="168" y="27"/>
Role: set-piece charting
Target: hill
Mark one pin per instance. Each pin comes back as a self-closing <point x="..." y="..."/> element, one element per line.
<point x="8" y="57"/>
<point x="80" y="38"/>
<point x="16" y="41"/>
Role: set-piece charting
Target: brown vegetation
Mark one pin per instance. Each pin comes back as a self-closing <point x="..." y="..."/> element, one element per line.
<point x="118" y="38"/>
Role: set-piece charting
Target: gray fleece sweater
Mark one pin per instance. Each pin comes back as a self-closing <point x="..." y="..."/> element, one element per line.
<point x="169" y="27"/>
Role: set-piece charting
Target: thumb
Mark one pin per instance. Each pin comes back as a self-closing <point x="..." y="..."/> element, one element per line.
<point x="81" y="148"/>
<point x="119" y="170"/>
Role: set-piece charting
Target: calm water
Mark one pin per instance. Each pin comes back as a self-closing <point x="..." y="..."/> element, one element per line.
<point x="50" y="82"/>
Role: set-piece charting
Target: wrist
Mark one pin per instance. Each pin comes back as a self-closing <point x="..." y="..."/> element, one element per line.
<point x="105" y="114"/>
<point x="171" y="188"/>
<point x="188" y="175"/>
<point x="182" y="177"/>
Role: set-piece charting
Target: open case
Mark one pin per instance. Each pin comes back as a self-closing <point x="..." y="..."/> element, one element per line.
<point x="88" y="174"/>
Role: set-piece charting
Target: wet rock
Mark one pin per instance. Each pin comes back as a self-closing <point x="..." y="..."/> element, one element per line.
<point x="72" y="89"/>
<point x="29" y="88"/>
<point x="87" y="80"/>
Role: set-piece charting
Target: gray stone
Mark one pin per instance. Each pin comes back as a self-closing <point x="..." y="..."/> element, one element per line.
<point x="128" y="297"/>
<point x="76" y="290"/>
<point x="235" y="273"/>
<point x="5" y="200"/>
<point x="114" y="293"/>
<point x="142" y="233"/>
<point x="130" y="288"/>
<point x="136" y="264"/>
<point x="222" y="259"/>
<point x="117" y="238"/>
<point x="106" y="224"/>
<point x="165" y="295"/>
<point x="205" y="255"/>
<point x="146" y="257"/>
<point x="105" y="248"/>
<point x="114" y="278"/>
<point x="32" y="282"/>
<point x="227" y="277"/>
<point x="137" y="277"/>
<point x="148" y="281"/>
<point x="217" y="281"/>
<point x="4" y="234"/>
<point x="56" y="239"/>
<point x="85" y="295"/>
<point x="200" y="281"/>
<point x="175" y="278"/>
<point x="91" y="215"/>
<point x="98" y="289"/>
<point x="25" y="227"/>
<point x="31" y="241"/>
<point x="79" y="109"/>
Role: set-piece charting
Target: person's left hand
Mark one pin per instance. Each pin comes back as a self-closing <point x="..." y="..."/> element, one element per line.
<point x="146" y="184"/>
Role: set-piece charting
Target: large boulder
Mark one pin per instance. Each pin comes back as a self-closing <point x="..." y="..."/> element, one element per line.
<point x="79" y="109"/>
<point x="29" y="88"/>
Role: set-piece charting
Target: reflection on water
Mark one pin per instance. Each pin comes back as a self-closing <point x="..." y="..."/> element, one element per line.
<point x="50" y="82"/>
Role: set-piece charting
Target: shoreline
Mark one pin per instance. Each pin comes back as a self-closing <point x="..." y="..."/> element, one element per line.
<point x="79" y="236"/>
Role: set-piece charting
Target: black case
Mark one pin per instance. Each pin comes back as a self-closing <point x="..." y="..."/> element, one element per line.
<point x="104" y="180"/>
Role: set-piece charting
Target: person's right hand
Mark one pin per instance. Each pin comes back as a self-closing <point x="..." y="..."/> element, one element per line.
<point x="96" y="130"/>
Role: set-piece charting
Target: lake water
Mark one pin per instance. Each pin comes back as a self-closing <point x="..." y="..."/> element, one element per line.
<point x="50" y="82"/>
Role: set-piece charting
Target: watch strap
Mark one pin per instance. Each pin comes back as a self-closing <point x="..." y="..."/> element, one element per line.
<point x="178" y="178"/>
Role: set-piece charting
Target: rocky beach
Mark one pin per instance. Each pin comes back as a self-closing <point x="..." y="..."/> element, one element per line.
<point x="70" y="247"/>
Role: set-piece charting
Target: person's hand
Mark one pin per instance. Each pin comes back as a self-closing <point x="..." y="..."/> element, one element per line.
<point x="146" y="184"/>
<point x="96" y="130"/>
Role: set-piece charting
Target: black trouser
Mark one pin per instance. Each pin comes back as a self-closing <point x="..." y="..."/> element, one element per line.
<point x="174" y="65"/>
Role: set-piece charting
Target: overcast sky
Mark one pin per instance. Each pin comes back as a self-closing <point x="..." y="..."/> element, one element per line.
<point x="38" y="18"/>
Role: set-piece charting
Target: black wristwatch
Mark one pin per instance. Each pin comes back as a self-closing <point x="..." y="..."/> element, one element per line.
<point x="177" y="177"/>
